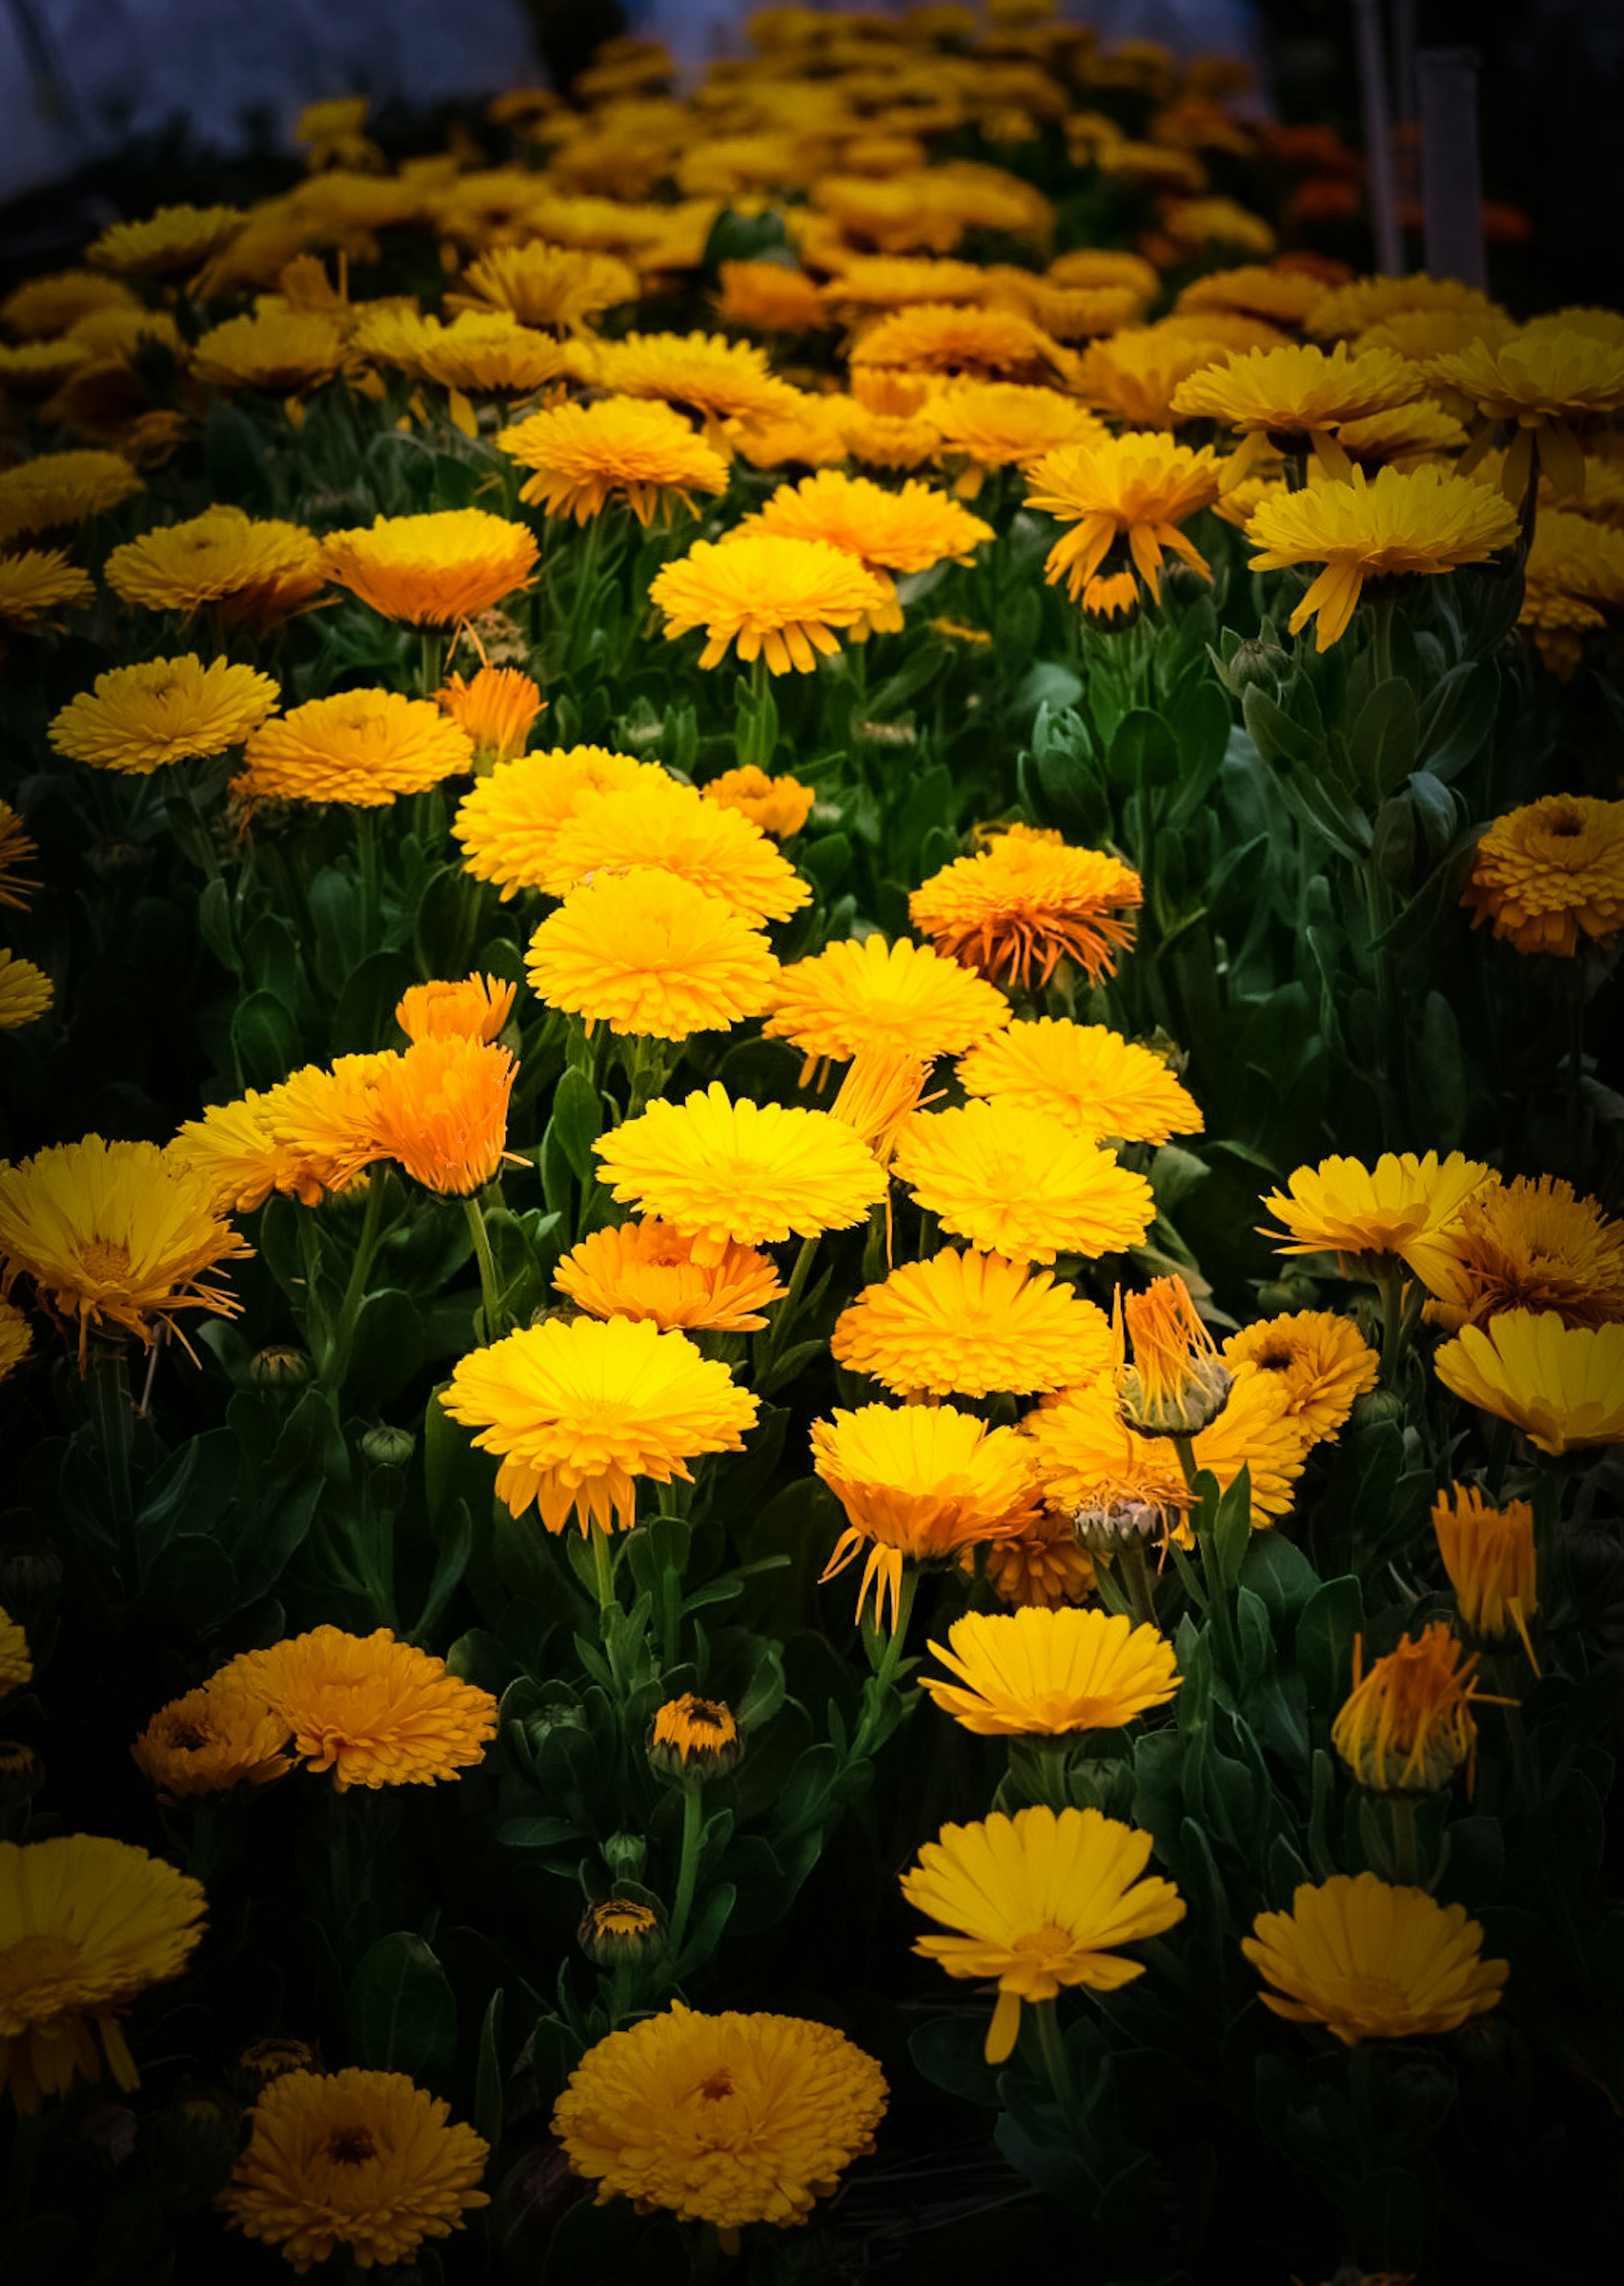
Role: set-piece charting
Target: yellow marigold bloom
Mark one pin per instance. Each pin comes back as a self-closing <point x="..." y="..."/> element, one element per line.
<point x="234" y="1154"/>
<point x="35" y="368"/>
<point x="897" y="281"/>
<point x="776" y="598"/>
<point x="16" y="1666"/>
<point x="577" y="1412"/>
<point x="1372" y="1962"/>
<point x="1531" y="1245"/>
<point x="1423" y="334"/>
<point x="1321" y="1361"/>
<point x="978" y="344"/>
<point x="510" y="823"/>
<point x="705" y="372"/>
<point x="61" y="488"/>
<point x="1199" y="222"/>
<point x="1098" y="265"/>
<point x="543" y="285"/>
<point x="43" y="307"/>
<point x="1176" y="1384"/>
<point x="1561" y="1386"/>
<point x="440" y="1112"/>
<point x="1408" y="1726"/>
<point x="322" y="1124"/>
<point x="768" y="298"/>
<point x="174" y="237"/>
<point x="907" y="529"/>
<point x="647" y="1270"/>
<point x="430" y="570"/>
<point x="693" y="1734"/>
<point x="1420" y="520"/>
<point x="1136" y="373"/>
<point x="1018" y="1184"/>
<point x="651" y="954"/>
<point x="1574" y="574"/>
<point x="1039" y="1901"/>
<point x="360" y="747"/>
<point x="998" y="425"/>
<point x="282" y="351"/>
<point x="1404" y="439"/>
<point x="1405" y="1207"/>
<point x="778" y="806"/>
<point x="813" y="435"/>
<point x="643" y="453"/>
<point x="1285" y="296"/>
<point x="36" y="584"/>
<point x="112" y="1234"/>
<point x="661" y="825"/>
<point x="254" y="571"/>
<point x="358" y="2159"/>
<point x="25" y="992"/>
<point x="720" y="1171"/>
<point x="1298" y="393"/>
<point x="886" y="440"/>
<point x="475" y="1009"/>
<point x="16" y="1338"/>
<point x="1050" y="1673"/>
<point x="1017" y="909"/>
<point x="1488" y="1554"/>
<point x="728" y="2119"/>
<point x="917" y="1482"/>
<point x="967" y="1324"/>
<point x="372" y="1710"/>
<point x="17" y="848"/>
<point x="86" y="1924"/>
<point x="1066" y="313"/>
<point x="141" y="718"/>
<point x="1091" y="1462"/>
<point x="488" y="351"/>
<point x="1088" y="1077"/>
<point x="1551" y="871"/>
<point x="496" y="709"/>
<point x="1042" y="1568"/>
<point x="1541" y="382"/>
<point x="222" y="1735"/>
<point x="1375" y="300"/>
<point x="1138" y="489"/>
<point x="902" y="999"/>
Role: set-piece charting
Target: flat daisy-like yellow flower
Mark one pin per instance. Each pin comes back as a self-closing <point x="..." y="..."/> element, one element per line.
<point x="637" y="451"/>
<point x="1137" y="373"/>
<point x="42" y="307"/>
<point x="967" y="1324"/>
<point x="1561" y="1386"/>
<point x="1298" y="393"/>
<point x="668" y="827"/>
<point x="978" y="344"/>
<point x="777" y="599"/>
<point x="998" y="425"/>
<point x="1018" y="1184"/>
<point x="174" y="237"/>
<point x="779" y="806"/>
<point x="1017" y="909"/>
<point x="651" y="954"/>
<point x="251" y="570"/>
<point x="61" y="488"/>
<point x="1322" y="1361"/>
<point x="25" y="991"/>
<point x="1089" y="1458"/>
<point x="1551" y="873"/>
<point x="1540" y="384"/>
<point x="361" y="747"/>
<point x="1365" y="302"/>
<point x="283" y="351"/>
<point x="1404" y="1207"/>
<point x="705" y="373"/>
<point x="431" y="570"/>
<point x="905" y="530"/>
<point x="1136" y="489"/>
<point x="510" y="823"/>
<point x="1531" y="1245"/>
<point x="647" y="1270"/>
<point x="1370" y="1961"/>
<point x="36" y="584"/>
<point x="901" y="998"/>
<point x="543" y="285"/>
<point x="1050" y="1674"/>
<point x="1085" y="1075"/>
<point x="139" y="719"/>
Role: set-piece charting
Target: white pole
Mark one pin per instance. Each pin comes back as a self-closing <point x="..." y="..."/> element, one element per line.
<point x="1378" y="138"/>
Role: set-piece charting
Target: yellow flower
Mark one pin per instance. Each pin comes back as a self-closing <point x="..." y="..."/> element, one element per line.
<point x="25" y="992"/>
<point x="1018" y="1184"/>
<point x="896" y="281"/>
<point x="86" y="1924"/>
<point x="1042" y="1568"/>
<point x="489" y="352"/>
<point x="112" y="1234"/>
<point x="253" y="571"/>
<point x="1321" y="1361"/>
<point x="997" y="424"/>
<point x="1405" y="1207"/>
<point x="1196" y="223"/>
<point x="899" y="1000"/>
<point x="1423" y="334"/>
<point x="661" y="825"/>
<point x="694" y="1735"/>
<point x="38" y="583"/>
<point x="980" y="344"/>
<point x="496" y="709"/>
<point x="768" y="298"/>
<point x="1283" y="295"/>
<point x="907" y="529"/>
<point x="476" y="1009"/>
<point x="1488" y="1554"/>
<point x="1551" y="871"/>
<point x="778" y="806"/>
<point x="543" y="285"/>
<point x="777" y="599"/>
<point x="1136" y="374"/>
<point x="16" y="1666"/>
<point x="359" y="747"/>
<point x="705" y="372"/>
<point x="1020" y="907"/>
<point x="1298" y="393"/>
<point x="1100" y="265"/>
<point x="650" y="953"/>
<point x="1039" y="1901"/>
<point x="1370" y="1961"/>
<point x="57" y="488"/>
<point x="1420" y="520"/>
<point x="1561" y="1386"/>
<point x="647" y="1270"/>
<point x="577" y="1412"/>
<point x="440" y="1112"/>
<point x="1541" y="382"/>
<point x="372" y="1710"/>
<point x="1088" y="1077"/>
<point x="1119" y="1484"/>
<point x="1531" y="1245"/>
<point x="967" y="1324"/>
<point x="1138" y="489"/>
<point x="222" y="1735"/>
<point x="283" y="351"/>
<point x="1049" y="1674"/>
<point x="357" y="2159"/>
<point x="1375" y="300"/>
<point x="1176" y="1384"/>
<point x="510" y="823"/>
<point x="40" y="308"/>
<point x="643" y="453"/>
<point x="1406" y="437"/>
<point x="430" y="570"/>
<point x="726" y="2120"/>
<point x="174" y="237"/>
<point x="917" y="1482"/>
<point x="141" y="718"/>
<point x="322" y="1125"/>
<point x="17" y="848"/>
<point x="1408" y="1726"/>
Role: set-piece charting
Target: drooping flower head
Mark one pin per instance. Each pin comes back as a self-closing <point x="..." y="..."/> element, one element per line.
<point x="967" y="1324"/>
<point x="1488" y="1554"/>
<point x="172" y="237"/>
<point x="1370" y="1961"/>
<point x="1404" y="1208"/>
<point x="650" y="953"/>
<point x="1088" y="1077"/>
<point x="1322" y="1361"/>
<point x="431" y="570"/>
<point x="1050" y="1674"/>
<point x="1018" y="1184"/>
<point x="1551" y="874"/>
<point x="360" y="747"/>
<point x="703" y="372"/>
<point x="476" y="1009"/>
<point x="283" y="351"/>
<point x="509" y="822"/>
<point x="372" y="1710"/>
<point x="1541" y="384"/>
<point x="253" y="571"/>
<point x="899" y="999"/>
<point x="440" y="1111"/>
<point x="1016" y="909"/>
<point x="1136" y="490"/>
<point x="496" y="710"/>
<point x="1407" y="1726"/>
<point x="1561" y="1386"/>
<point x="633" y="450"/>
<point x="647" y="1270"/>
<point x="1176" y="1384"/>
<point x="139" y="719"/>
<point x="777" y="599"/>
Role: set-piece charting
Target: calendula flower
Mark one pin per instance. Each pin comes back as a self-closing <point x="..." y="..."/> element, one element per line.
<point x="1321" y="1361"/>
<point x="284" y="351"/>
<point x="721" y="1171"/>
<point x="1039" y="1901"/>
<point x="252" y="570"/>
<point x="1541" y="384"/>
<point x="778" y="806"/>
<point x="1017" y="909"/>
<point x="705" y="373"/>
<point x="1018" y="1184"/>
<point x="1285" y="296"/>
<point x="1404" y="1208"/>
<point x="694" y="1737"/>
<point x="1135" y="490"/>
<point x="508" y="823"/>
<point x="618" y="1931"/>
<point x="907" y="529"/>
<point x="768" y="298"/>
<point x="17" y="848"/>
<point x="1407" y="1726"/>
<point x="488" y="352"/>
<point x="496" y="709"/>
<point x="429" y="571"/>
<point x="1404" y="437"/>
<point x="372" y="1710"/>
<point x="942" y="337"/>
<point x="40" y="308"/>
<point x="16" y="1666"/>
<point x="900" y="998"/>
<point x="35" y="368"/>
<point x="639" y="452"/>
<point x="174" y="237"/>
<point x="37" y="584"/>
<point x="1561" y="1386"/>
<point x="25" y="992"/>
<point x="112" y="1234"/>
<point x="1370" y="1961"/>
<point x="661" y="825"/>
<point x="1106" y="1475"/>
<point x="1363" y="302"/>
<point x="222" y="1735"/>
<point x="1088" y="1077"/>
<point x="363" y="2160"/>
<point x="1412" y="521"/>
<point x="440" y="1112"/>
<point x="1178" y="1383"/>
<point x="61" y="488"/>
<point x="998" y="425"/>
<point x="726" y="2120"/>
<point x="1550" y="873"/>
<point x="358" y="748"/>
<point x="777" y="599"/>
<point x="650" y="953"/>
<point x="917" y="1483"/>
<point x="1041" y="1568"/>
<point x="1298" y="394"/>
<point x="86" y="1925"/>
<point x="647" y="1270"/>
<point x="967" y="1324"/>
<point x="1488" y="1554"/>
<point x="867" y="283"/>
<point x="1050" y="1674"/>
<point x="1100" y="265"/>
<point x="1572" y="576"/>
<point x="1195" y="223"/>
<point x="476" y="1009"/>
<point x="1136" y="374"/>
<point x="577" y="1412"/>
<point x="1531" y="1245"/>
<point x="543" y="285"/>
<point x="139" y="719"/>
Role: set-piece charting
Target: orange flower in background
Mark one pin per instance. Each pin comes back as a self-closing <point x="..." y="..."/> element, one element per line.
<point x="1551" y="874"/>
<point x="476" y="1009"/>
<point x="639" y="452"/>
<point x="372" y="1710"/>
<point x="510" y="823"/>
<point x="647" y="1270"/>
<point x="431" y="570"/>
<point x="1016" y="909"/>
<point x="768" y="298"/>
<point x="902" y="999"/>
<point x="496" y="710"/>
<point x="778" y="806"/>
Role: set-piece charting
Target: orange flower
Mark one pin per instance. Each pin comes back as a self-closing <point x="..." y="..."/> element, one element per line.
<point x="1016" y="909"/>
<point x="440" y="1111"/>
<point x="496" y="709"/>
<point x="476" y="1009"/>
<point x="430" y="570"/>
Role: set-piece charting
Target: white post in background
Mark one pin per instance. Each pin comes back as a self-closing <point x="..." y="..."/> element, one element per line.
<point x="1378" y="138"/>
<point x="1451" y="173"/>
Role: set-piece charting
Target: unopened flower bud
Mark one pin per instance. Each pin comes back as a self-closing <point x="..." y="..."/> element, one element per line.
<point x="694" y="1738"/>
<point x="1102" y="1782"/>
<point x="267" y="2060"/>
<point x="30" y="1582"/>
<point x="281" y="1367"/>
<point x="384" y="1447"/>
<point x="1104" y="1526"/>
<point x="626" y="1855"/>
<point x="21" y="1770"/>
<point x="194" y="2140"/>
<point x="1376" y="1406"/>
<point x="1257" y="666"/>
<point x="621" y="1929"/>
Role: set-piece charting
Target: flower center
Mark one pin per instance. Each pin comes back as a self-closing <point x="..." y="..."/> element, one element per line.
<point x="189" y="1737"/>
<point x="1376" y="1995"/>
<point x="718" y="2084"/>
<point x="105" y="1260"/>
<point x="350" y="2146"/>
<point x="1565" y="824"/>
<point x="1275" y="1360"/>
<point x="1047" y="1946"/>
<point x="30" y="1968"/>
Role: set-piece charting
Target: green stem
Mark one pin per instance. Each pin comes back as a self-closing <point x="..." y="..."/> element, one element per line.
<point x="432" y="666"/>
<point x="687" y="1869"/>
<point x="1387" y="1079"/>
<point x="489" y="1303"/>
<point x="1136" y="1582"/>
<point x="885" y="1674"/>
<point x="1054" y="2048"/>
<point x="1406" y="1841"/>
<point x="603" y="1571"/>
<point x="1380" y="640"/>
<point x="367" y="873"/>
<point x="1390" y="1284"/>
<point x="337" y="1361"/>
<point x="785" y="1315"/>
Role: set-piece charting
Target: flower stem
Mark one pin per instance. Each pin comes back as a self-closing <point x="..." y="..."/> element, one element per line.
<point x="367" y="873"/>
<point x="1046" y="2016"/>
<point x="788" y="1308"/>
<point x="688" y="1868"/>
<point x="433" y="660"/>
<point x="1406" y="1841"/>
<point x="885" y="1675"/>
<point x="1390" y="1284"/>
<point x="603" y="1571"/>
<point x="337" y="1358"/>
<point x="489" y="1303"/>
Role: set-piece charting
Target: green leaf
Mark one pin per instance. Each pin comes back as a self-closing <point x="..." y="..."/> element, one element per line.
<point x="191" y="1582"/>
<point x="1382" y="741"/>
<point x="577" y="1122"/>
<point x="1232" y="1532"/>
<point x="265" y="1039"/>
<point x="950" y="2052"/>
<point x="1278" y="1572"/>
<point x="1457" y="717"/>
<point x="402" y="2011"/>
<point x="364" y="1017"/>
<point x="1278" y="736"/>
<point x="1333" y="1615"/>
<point x="387" y="1348"/>
<point x="488" y="2105"/>
<point x="1142" y="753"/>
<point x="214" y="923"/>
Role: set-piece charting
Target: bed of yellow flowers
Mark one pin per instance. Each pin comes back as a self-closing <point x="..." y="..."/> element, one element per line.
<point x="813" y="1348"/>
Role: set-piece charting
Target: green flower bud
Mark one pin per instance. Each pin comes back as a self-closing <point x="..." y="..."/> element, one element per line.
<point x="626" y="1855"/>
<point x="621" y="1930"/>
<point x="384" y="1447"/>
<point x="281" y="1367"/>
